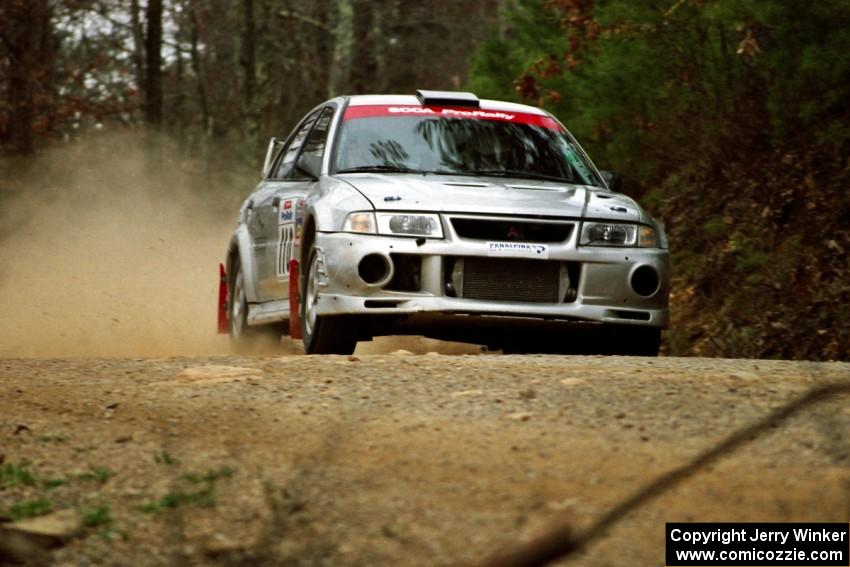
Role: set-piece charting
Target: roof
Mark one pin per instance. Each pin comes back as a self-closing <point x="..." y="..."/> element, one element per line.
<point x="411" y="100"/>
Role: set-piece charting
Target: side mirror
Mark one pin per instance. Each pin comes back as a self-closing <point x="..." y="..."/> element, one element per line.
<point x="267" y="164"/>
<point x="612" y="180"/>
<point x="309" y="165"/>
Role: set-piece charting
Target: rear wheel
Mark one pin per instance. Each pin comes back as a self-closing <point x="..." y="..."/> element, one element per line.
<point x="241" y="334"/>
<point x="237" y="305"/>
<point x="322" y="334"/>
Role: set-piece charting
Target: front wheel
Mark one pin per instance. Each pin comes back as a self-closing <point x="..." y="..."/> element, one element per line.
<point x="322" y="334"/>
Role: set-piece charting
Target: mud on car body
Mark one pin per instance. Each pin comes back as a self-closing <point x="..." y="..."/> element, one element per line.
<point x="447" y="216"/>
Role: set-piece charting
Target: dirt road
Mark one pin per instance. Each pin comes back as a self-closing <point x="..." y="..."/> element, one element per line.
<point x="400" y="459"/>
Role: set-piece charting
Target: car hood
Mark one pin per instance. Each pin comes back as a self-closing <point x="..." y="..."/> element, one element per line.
<point x="490" y="195"/>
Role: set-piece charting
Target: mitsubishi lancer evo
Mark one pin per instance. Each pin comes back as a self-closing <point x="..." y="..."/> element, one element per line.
<point x="444" y="215"/>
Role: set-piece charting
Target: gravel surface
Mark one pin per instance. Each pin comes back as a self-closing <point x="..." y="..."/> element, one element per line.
<point x="401" y="459"/>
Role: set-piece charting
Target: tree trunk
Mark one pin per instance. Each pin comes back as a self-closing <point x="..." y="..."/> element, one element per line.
<point x="179" y="95"/>
<point x="138" y="49"/>
<point x="197" y="68"/>
<point x="364" y="64"/>
<point x="25" y="33"/>
<point x="248" y="56"/>
<point x="343" y="32"/>
<point x="153" y="57"/>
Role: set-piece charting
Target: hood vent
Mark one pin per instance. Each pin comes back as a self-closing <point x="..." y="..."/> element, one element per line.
<point x="465" y="184"/>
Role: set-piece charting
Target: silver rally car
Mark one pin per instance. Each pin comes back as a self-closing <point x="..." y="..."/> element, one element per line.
<point x="442" y="215"/>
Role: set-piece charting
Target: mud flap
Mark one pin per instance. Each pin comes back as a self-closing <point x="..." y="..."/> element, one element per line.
<point x="223" y="327"/>
<point x="294" y="310"/>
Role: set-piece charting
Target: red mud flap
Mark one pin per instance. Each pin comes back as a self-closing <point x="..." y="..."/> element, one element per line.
<point x="223" y="327"/>
<point x="294" y="311"/>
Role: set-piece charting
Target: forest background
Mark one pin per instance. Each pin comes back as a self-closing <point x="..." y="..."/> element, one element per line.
<point x="728" y="119"/>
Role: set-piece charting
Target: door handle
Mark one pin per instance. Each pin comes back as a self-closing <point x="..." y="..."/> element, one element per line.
<point x="276" y="202"/>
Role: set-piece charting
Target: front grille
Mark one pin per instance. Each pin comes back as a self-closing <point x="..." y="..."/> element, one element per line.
<point x="502" y="279"/>
<point x="512" y="230"/>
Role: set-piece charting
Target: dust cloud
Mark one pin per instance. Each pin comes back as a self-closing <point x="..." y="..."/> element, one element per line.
<point x="111" y="250"/>
<point x="110" y="247"/>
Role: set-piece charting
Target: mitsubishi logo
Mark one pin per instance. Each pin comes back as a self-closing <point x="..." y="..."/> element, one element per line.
<point x="515" y="233"/>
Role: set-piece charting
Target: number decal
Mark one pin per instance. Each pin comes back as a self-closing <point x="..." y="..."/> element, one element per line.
<point x="286" y="238"/>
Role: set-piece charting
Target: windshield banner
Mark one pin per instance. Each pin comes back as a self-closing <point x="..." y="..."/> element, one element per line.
<point x="383" y="110"/>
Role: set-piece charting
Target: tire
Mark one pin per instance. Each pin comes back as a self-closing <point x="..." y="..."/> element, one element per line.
<point x="321" y="335"/>
<point x="241" y="334"/>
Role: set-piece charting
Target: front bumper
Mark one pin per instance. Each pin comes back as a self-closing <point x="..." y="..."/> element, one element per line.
<point x="602" y="294"/>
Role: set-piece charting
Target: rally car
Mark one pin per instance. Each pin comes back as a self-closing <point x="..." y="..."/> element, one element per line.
<point x="443" y="215"/>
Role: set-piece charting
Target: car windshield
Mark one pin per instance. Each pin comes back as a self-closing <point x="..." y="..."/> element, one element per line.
<point x="459" y="142"/>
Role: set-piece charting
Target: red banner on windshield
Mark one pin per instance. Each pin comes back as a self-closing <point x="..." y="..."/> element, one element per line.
<point x="383" y="110"/>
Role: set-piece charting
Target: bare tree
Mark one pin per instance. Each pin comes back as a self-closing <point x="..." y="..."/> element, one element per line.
<point x="138" y="47"/>
<point x="153" y="67"/>
<point x="25" y="33"/>
<point x="364" y="58"/>
<point x="197" y="66"/>
<point x="248" y="56"/>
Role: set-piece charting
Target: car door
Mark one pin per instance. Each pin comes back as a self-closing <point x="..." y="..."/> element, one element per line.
<point x="288" y="185"/>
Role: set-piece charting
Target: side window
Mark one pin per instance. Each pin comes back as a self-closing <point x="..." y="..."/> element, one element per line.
<point x="315" y="144"/>
<point x="287" y="161"/>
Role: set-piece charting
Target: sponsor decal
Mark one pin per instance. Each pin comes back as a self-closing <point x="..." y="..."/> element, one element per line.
<point x="518" y="250"/>
<point x="286" y="242"/>
<point x="286" y="214"/>
<point x="288" y="234"/>
<point x="450" y="112"/>
<point x="299" y="220"/>
<point x="379" y="110"/>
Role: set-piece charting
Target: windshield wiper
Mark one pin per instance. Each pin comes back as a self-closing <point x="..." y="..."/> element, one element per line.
<point x="378" y="168"/>
<point x="515" y="173"/>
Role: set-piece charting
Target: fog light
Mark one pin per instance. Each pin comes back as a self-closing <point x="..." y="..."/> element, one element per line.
<point x="374" y="269"/>
<point x="645" y="281"/>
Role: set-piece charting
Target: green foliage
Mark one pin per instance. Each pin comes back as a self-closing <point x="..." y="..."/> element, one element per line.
<point x="500" y="61"/>
<point x="204" y="497"/>
<point x="659" y="87"/>
<point x="16" y="475"/>
<point x="29" y="509"/>
<point x="751" y="262"/>
<point x="729" y="119"/>
<point x="109" y="534"/>
<point x="98" y="516"/>
<point x="51" y="483"/>
<point x="714" y="228"/>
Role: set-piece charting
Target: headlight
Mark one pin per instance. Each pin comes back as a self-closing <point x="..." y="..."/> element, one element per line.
<point x="610" y="234"/>
<point x="410" y="225"/>
<point x="360" y="222"/>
